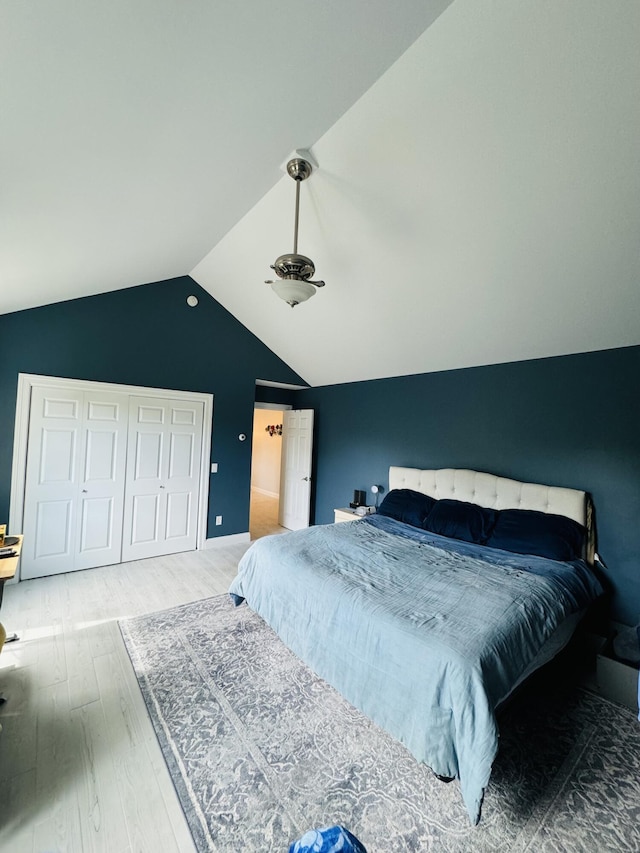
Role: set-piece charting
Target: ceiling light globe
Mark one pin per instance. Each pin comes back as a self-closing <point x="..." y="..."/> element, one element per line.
<point x="293" y="291"/>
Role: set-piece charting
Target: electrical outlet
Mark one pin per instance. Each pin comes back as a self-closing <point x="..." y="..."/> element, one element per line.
<point x="214" y="467"/>
<point x="218" y="519"/>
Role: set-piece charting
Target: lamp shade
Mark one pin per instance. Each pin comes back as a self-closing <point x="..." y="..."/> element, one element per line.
<point x="293" y="290"/>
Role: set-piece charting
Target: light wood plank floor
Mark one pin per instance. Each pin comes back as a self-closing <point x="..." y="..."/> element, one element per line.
<point x="80" y="766"/>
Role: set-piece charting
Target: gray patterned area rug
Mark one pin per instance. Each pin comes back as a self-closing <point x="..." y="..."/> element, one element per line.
<point x="260" y="749"/>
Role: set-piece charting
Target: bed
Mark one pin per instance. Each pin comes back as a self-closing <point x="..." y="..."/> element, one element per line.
<point x="428" y="614"/>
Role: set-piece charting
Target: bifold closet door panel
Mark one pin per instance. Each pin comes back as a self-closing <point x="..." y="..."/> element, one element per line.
<point x="164" y="449"/>
<point x="74" y="487"/>
<point x="102" y="478"/>
<point x="51" y="486"/>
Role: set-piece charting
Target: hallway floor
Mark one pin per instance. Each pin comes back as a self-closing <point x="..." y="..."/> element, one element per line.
<point x="263" y="516"/>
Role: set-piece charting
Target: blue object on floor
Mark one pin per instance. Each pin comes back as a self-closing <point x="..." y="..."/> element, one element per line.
<point x="330" y="839"/>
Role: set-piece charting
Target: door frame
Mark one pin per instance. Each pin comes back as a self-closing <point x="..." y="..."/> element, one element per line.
<point x="26" y="381"/>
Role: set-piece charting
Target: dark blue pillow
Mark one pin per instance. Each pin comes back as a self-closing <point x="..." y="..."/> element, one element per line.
<point x="461" y="520"/>
<point x="406" y="505"/>
<point x="526" y="531"/>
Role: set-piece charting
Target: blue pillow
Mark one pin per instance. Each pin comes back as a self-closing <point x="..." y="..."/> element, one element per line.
<point x="406" y="505"/>
<point x="526" y="531"/>
<point x="461" y="520"/>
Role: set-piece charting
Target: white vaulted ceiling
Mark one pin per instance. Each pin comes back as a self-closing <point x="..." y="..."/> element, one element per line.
<point x="136" y="133"/>
<point x="478" y="192"/>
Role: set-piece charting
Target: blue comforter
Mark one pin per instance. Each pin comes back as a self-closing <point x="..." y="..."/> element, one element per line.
<point x="424" y="634"/>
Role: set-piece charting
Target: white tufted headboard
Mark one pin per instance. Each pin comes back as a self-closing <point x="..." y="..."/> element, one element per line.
<point x="497" y="493"/>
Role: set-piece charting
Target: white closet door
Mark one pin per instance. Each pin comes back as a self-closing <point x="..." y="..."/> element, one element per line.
<point x="74" y="481"/>
<point x="102" y="479"/>
<point x="51" y="482"/>
<point x="163" y="477"/>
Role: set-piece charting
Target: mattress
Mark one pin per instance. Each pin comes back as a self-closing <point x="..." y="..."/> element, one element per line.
<point x="423" y="634"/>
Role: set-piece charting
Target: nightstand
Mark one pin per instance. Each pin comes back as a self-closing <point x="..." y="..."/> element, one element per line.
<point x="345" y="513"/>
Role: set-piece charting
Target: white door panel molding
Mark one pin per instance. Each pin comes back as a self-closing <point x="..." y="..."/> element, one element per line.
<point x="84" y="446"/>
<point x="295" y="480"/>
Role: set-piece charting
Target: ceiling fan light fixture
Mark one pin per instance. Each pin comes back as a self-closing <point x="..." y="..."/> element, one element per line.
<point x="293" y="290"/>
<point x="294" y="270"/>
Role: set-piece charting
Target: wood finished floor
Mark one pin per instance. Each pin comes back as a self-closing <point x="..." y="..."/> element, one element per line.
<point x="80" y="766"/>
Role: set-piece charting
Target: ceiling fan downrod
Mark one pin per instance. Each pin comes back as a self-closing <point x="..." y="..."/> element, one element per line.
<point x="294" y="269"/>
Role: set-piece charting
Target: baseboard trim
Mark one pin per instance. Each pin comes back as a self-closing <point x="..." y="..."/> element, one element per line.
<point x="232" y="539"/>
<point x="265" y="492"/>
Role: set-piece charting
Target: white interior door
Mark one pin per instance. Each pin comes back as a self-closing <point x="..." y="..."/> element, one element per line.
<point x="295" y="482"/>
<point x="74" y="482"/>
<point x="163" y="477"/>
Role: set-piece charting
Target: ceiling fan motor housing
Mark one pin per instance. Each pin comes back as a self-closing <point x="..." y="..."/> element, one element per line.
<point x="294" y="266"/>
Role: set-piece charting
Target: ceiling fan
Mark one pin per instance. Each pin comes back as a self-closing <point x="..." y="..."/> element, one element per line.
<point x="294" y="271"/>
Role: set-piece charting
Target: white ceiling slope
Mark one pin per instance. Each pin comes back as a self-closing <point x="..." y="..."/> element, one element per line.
<point x="136" y="133"/>
<point x="479" y="204"/>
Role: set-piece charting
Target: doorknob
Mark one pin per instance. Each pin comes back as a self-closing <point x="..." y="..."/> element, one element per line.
<point x="162" y="487"/>
<point x="84" y="491"/>
<point x="307" y="479"/>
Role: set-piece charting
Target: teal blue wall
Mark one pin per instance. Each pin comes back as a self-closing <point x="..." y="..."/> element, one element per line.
<point x="148" y="336"/>
<point x="570" y="421"/>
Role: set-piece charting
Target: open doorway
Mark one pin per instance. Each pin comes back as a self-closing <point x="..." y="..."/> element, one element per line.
<point x="266" y="455"/>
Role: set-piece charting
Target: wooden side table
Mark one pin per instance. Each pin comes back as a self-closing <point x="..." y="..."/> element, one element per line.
<point x="9" y="565"/>
<point x="346" y="513"/>
<point x="8" y="569"/>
